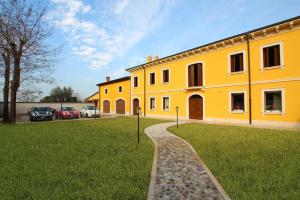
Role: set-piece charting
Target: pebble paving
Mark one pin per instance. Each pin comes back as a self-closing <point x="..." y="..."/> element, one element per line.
<point x="179" y="173"/>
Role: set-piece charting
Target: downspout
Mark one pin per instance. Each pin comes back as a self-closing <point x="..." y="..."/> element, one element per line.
<point x="249" y="79"/>
<point x="144" y="91"/>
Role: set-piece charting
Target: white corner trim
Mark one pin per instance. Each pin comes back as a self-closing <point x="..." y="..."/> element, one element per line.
<point x="263" y="106"/>
<point x="244" y="62"/>
<point x="281" y="51"/>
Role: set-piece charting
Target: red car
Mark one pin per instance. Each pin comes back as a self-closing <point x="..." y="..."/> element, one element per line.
<point x="66" y="113"/>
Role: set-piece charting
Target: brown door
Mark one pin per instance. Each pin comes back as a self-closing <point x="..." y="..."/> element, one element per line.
<point x="120" y="106"/>
<point x="106" y="106"/>
<point x="196" y="107"/>
<point x="135" y="105"/>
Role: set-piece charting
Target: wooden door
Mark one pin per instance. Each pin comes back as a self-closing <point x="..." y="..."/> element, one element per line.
<point x="106" y="106"/>
<point x="120" y="106"/>
<point x="196" y="107"/>
<point x="135" y="105"/>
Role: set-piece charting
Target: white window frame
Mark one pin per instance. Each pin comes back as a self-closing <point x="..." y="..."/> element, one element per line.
<point x="263" y="106"/>
<point x="162" y="104"/>
<point x="119" y="88"/>
<point x="162" y="75"/>
<point x="152" y="109"/>
<point x="187" y="74"/>
<point x="281" y="51"/>
<point x="244" y="62"/>
<point x="150" y="78"/>
<point x="137" y="81"/>
<point x="230" y="101"/>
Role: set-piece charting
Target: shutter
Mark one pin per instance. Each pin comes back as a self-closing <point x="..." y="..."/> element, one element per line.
<point x="241" y="58"/>
<point x="266" y="57"/>
<point x="191" y="76"/>
<point x="232" y="63"/>
<point x="200" y="75"/>
<point x="276" y="55"/>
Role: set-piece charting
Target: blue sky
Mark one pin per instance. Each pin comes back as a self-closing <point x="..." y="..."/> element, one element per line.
<point x="103" y="37"/>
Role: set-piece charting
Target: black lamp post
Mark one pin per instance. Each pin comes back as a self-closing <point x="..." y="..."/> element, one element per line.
<point x="177" y="108"/>
<point x="138" y="111"/>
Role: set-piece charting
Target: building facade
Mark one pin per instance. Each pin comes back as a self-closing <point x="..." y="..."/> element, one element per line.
<point x="114" y="96"/>
<point x="252" y="77"/>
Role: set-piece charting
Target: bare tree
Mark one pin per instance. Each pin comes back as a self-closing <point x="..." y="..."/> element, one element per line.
<point x="24" y="32"/>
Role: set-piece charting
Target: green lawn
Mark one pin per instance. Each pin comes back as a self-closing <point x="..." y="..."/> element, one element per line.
<point x="94" y="159"/>
<point x="249" y="163"/>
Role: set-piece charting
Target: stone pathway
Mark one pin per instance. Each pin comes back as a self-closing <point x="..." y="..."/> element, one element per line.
<point x="177" y="171"/>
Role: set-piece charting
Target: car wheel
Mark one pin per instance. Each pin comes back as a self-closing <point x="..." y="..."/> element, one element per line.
<point x="81" y="115"/>
<point x="87" y="115"/>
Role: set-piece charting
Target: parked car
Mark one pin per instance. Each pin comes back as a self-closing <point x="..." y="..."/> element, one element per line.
<point x="89" y="111"/>
<point x="66" y="113"/>
<point x="40" y="113"/>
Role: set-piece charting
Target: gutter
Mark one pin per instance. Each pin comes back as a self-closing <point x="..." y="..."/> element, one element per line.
<point x="249" y="79"/>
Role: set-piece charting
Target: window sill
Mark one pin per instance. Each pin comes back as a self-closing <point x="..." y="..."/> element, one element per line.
<point x="165" y="83"/>
<point x="237" y="112"/>
<point x="240" y="72"/>
<point x="273" y="67"/>
<point x="168" y="110"/>
<point x="273" y="113"/>
<point x="153" y="109"/>
<point x="194" y="88"/>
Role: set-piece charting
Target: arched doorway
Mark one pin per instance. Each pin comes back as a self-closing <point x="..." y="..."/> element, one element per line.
<point x="120" y="106"/>
<point x="135" y="103"/>
<point x="106" y="106"/>
<point x="196" y="107"/>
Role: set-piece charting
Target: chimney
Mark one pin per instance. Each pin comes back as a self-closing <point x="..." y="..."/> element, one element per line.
<point x="155" y="57"/>
<point x="148" y="58"/>
<point x="107" y="78"/>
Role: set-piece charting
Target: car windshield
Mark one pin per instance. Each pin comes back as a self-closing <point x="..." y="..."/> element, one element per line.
<point x="90" y="108"/>
<point x="41" y="109"/>
<point x="68" y="109"/>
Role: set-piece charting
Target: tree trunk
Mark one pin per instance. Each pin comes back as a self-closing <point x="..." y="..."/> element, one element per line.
<point x="14" y="89"/>
<point x="6" y="58"/>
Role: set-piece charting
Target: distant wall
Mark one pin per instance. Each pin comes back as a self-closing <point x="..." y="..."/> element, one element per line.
<point x="23" y="107"/>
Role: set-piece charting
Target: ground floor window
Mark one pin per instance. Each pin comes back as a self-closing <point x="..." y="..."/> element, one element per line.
<point x="166" y="103"/>
<point x="273" y="101"/>
<point x="237" y="102"/>
<point x="152" y="103"/>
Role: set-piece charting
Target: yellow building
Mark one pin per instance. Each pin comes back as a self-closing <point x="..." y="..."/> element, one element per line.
<point x="114" y="96"/>
<point x="253" y="77"/>
<point x="94" y="98"/>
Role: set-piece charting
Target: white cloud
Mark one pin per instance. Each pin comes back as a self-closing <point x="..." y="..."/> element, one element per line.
<point x="129" y="22"/>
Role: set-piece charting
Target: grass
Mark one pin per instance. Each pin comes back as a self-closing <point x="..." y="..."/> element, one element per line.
<point x="249" y="163"/>
<point x="90" y="159"/>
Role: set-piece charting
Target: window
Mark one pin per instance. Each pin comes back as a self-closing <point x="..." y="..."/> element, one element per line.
<point x="195" y="75"/>
<point x="237" y="102"/>
<point x="152" y="103"/>
<point x="105" y="91"/>
<point x="152" y="78"/>
<point x="120" y="89"/>
<point x="273" y="101"/>
<point x="271" y="56"/>
<point x="237" y="62"/>
<point x="165" y="76"/>
<point x="166" y="103"/>
<point x="135" y="81"/>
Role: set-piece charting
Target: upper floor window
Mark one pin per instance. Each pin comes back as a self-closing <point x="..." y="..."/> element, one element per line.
<point x="152" y="78"/>
<point x="237" y="102"/>
<point x="105" y="91"/>
<point x="135" y="81"/>
<point x="271" y="56"/>
<point x="152" y="103"/>
<point x="120" y="89"/>
<point x="166" y="103"/>
<point x="166" y="78"/>
<point x="195" y="75"/>
<point x="237" y="62"/>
